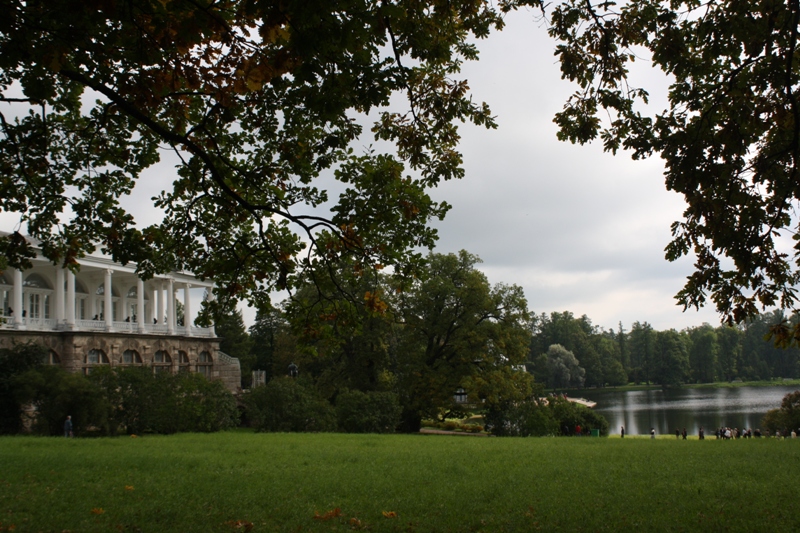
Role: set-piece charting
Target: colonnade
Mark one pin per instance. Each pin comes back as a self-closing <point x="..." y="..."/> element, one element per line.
<point x="148" y="319"/>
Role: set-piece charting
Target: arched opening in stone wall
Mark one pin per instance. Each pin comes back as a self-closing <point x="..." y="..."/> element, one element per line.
<point x="131" y="357"/>
<point x="162" y="362"/>
<point x="94" y="357"/>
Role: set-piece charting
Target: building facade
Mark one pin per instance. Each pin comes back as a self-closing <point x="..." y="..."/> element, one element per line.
<point x="106" y="315"/>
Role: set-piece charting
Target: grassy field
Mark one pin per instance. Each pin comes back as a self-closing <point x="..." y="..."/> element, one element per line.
<point x="240" y="481"/>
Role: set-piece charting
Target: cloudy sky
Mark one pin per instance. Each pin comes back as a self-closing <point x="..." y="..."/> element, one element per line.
<point x="580" y="230"/>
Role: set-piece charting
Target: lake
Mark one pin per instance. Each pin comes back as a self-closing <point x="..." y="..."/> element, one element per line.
<point x="638" y="411"/>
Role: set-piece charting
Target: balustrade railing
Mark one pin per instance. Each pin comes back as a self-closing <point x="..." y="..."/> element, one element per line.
<point x="51" y="324"/>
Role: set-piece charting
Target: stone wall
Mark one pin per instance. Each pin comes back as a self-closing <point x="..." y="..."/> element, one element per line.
<point x="71" y="349"/>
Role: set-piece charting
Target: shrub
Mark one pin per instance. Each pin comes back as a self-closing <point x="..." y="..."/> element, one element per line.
<point x="521" y="419"/>
<point x="569" y="414"/>
<point x="785" y="418"/>
<point x="368" y="412"/>
<point x="14" y="362"/>
<point x="536" y="418"/>
<point x="205" y="405"/>
<point x="128" y="399"/>
<point x="55" y="393"/>
<point x="289" y="404"/>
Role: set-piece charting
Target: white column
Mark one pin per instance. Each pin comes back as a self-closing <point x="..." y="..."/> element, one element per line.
<point x="109" y="312"/>
<point x="210" y="297"/>
<point x="140" y="304"/>
<point x="93" y="310"/>
<point x="18" y="299"/>
<point x="70" y="300"/>
<point x="59" y="296"/>
<point x="171" y="306"/>
<point x="187" y="309"/>
<point x="148" y="313"/>
<point x="160" y="316"/>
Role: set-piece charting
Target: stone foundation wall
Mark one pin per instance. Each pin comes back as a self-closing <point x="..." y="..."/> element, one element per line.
<point x="71" y="348"/>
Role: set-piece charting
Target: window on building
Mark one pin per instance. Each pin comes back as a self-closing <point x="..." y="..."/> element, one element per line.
<point x="162" y="362"/>
<point x="183" y="361"/>
<point x="94" y="357"/>
<point x="35" y="281"/>
<point x="131" y="357"/>
<point x="204" y="363"/>
<point x="52" y="358"/>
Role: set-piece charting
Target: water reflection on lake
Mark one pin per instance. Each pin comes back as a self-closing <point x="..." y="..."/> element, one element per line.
<point x="638" y="411"/>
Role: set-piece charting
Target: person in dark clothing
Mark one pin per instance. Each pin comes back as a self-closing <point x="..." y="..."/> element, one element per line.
<point x="684" y="433"/>
<point x="622" y="432"/>
<point x="68" y="427"/>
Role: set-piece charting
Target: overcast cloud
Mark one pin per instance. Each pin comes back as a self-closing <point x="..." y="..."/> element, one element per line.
<point x="579" y="229"/>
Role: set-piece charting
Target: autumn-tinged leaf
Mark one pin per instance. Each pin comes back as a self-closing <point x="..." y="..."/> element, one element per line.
<point x="389" y="514"/>
<point x="98" y="510"/>
<point x="334" y="513"/>
<point x="128" y="487"/>
<point x="241" y="524"/>
<point x="356" y="524"/>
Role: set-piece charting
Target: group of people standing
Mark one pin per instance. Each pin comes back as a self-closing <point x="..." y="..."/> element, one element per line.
<point x="678" y="433"/>
<point x="736" y="433"/>
<point x="724" y="433"/>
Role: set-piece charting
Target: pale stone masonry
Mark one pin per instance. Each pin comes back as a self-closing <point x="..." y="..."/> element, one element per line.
<point x="67" y="313"/>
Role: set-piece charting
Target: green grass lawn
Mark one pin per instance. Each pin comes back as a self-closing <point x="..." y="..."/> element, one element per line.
<point x="239" y="481"/>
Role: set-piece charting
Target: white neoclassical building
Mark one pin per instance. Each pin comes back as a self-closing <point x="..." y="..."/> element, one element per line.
<point x="106" y="315"/>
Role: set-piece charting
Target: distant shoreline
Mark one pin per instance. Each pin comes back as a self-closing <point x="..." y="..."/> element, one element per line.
<point x="715" y="385"/>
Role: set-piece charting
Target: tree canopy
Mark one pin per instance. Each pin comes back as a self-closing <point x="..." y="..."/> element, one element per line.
<point x="258" y="100"/>
<point x="263" y="101"/>
<point x="730" y="137"/>
<point x="446" y="330"/>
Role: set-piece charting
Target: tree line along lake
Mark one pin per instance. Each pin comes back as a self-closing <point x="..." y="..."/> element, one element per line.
<point x="668" y="410"/>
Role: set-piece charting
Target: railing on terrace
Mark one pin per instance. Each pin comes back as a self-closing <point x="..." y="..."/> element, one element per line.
<point x="222" y="357"/>
<point x="51" y="324"/>
<point x="88" y="325"/>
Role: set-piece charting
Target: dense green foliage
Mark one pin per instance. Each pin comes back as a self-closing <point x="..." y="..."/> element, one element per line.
<point x="55" y="393"/>
<point x="367" y="412"/>
<point x="236" y="342"/>
<point x="269" y="334"/>
<point x="537" y="416"/>
<point x="141" y="401"/>
<point x="279" y="482"/>
<point x="132" y="400"/>
<point x="288" y="404"/>
<point x="15" y="361"/>
<point x="448" y="329"/>
<point x="786" y="418"/>
<point x="702" y="354"/>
